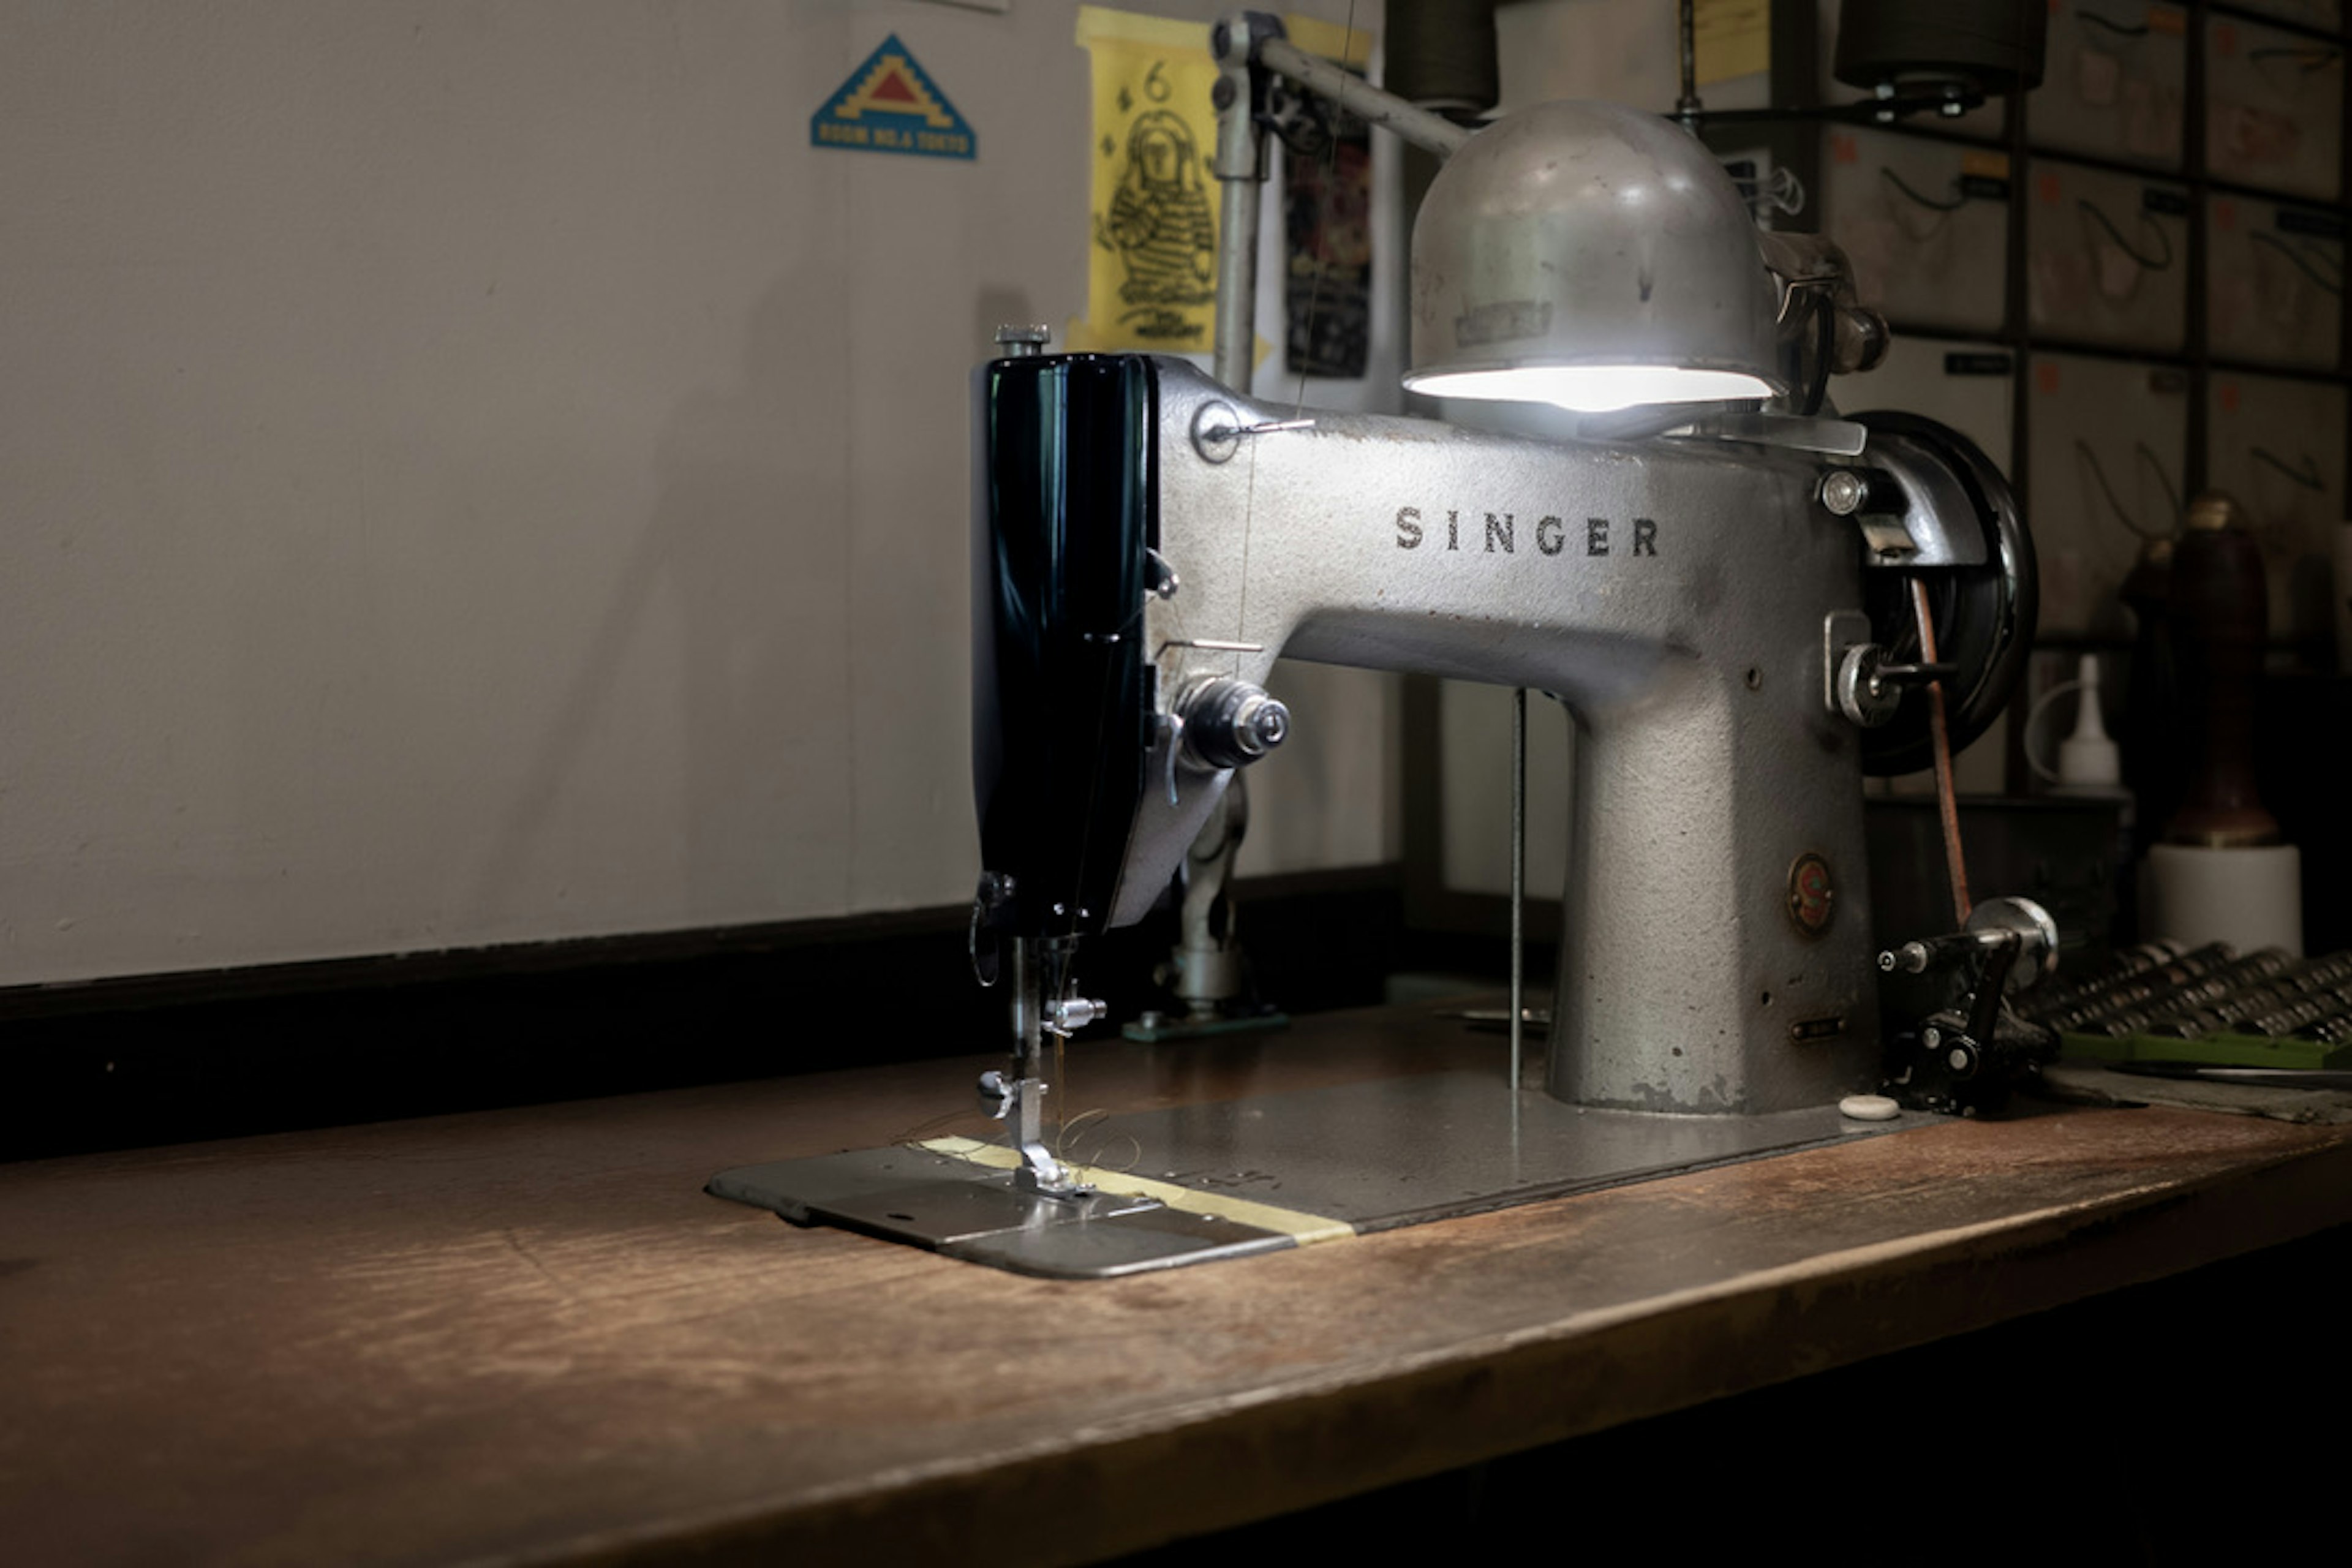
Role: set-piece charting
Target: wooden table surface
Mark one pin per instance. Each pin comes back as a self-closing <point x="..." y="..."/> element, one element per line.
<point x="529" y="1335"/>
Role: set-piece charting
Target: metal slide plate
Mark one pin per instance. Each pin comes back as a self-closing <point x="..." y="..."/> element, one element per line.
<point x="954" y="1206"/>
<point x="1372" y="1155"/>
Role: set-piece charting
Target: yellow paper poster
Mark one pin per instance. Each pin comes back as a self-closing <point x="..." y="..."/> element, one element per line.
<point x="1734" y="38"/>
<point x="1151" y="274"/>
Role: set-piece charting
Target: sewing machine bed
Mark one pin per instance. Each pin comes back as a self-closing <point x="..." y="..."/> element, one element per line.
<point x="1258" y="1174"/>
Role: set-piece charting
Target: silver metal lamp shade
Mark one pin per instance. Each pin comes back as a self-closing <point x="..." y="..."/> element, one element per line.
<point x="1591" y="256"/>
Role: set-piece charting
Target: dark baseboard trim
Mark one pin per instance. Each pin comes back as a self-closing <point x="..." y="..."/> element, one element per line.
<point x="110" y="1064"/>
<point x="441" y="966"/>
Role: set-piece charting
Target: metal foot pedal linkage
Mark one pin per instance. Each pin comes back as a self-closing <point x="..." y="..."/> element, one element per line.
<point x="1966" y="1055"/>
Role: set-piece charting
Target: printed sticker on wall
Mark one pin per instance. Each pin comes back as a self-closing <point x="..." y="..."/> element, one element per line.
<point x="1326" y="203"/>
<point x="890" y="104"/>
<point x="1151" y="272"/>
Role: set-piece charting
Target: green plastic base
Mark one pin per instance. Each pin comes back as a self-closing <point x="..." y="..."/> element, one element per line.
<point x="2207" y="1051"/>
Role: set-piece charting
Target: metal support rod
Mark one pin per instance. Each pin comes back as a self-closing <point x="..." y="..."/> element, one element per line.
<point x="1688" y="106"/>
<point x="1237" y="344"/>
<point x="1361" y="98"/>
<point x="1518" y="879"/>
<point x="1241" y="175"/>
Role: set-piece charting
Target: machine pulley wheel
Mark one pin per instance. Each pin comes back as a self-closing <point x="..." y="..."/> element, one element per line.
<point x="1984" y="615"/>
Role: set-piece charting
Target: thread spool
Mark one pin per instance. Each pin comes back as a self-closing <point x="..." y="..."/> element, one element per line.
<point x="1995" y="45"/>
<point x="2249" y="898"/>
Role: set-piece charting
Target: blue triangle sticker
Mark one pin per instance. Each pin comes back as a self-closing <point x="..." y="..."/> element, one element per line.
<point x="890" y="104"/>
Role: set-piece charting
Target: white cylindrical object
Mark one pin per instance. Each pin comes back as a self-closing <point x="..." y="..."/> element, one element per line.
<point x="2247" y="898"/>
<point x="2344" y="597"/>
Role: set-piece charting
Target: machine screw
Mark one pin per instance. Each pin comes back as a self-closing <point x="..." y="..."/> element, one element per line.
<point x="1216" y="432"/>
<point x="1023" y="341"/>
<point x="1843" y="491"/>
<point x="1164" y="582"/>
<point x="1863" y="696"/>
<point x="1073" y="1014"/>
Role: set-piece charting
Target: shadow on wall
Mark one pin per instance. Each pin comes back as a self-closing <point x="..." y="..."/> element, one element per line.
<point x="749" y="542"/>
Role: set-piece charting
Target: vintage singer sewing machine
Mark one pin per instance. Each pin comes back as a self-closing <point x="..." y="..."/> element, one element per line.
<point x="1714" y="577"/>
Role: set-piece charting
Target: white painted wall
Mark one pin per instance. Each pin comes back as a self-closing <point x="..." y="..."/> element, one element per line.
<point x="472" y="473"/>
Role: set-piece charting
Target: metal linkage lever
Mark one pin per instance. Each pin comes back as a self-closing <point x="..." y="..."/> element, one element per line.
<point x="1870" y="687"/>
<point x="1960" y="1058"/>
<point x="1942" y="952"/>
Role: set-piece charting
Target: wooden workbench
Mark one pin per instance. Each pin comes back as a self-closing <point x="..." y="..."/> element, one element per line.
<point x="529" y="1334"/>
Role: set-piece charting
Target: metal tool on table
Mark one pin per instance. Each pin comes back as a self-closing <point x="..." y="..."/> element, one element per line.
<point x="1721" y="580"/>
<point x="1968" y="1053"/>
<point x="2169" y="1006"/>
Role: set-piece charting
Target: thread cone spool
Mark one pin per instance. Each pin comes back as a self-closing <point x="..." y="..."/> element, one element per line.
<point x="2249" y="898"/>
<point x="1440" y="55"/>
<point x="1997" y="46"/>
<point x="2220" y="624"/>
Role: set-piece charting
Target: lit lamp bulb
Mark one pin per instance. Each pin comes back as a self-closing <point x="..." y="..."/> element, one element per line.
<point x="1592" y="257"/>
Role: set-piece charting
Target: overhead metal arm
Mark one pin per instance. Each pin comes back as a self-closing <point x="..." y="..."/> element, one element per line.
<point x="1361" y="98"/>
<point x="1247" y="43"/>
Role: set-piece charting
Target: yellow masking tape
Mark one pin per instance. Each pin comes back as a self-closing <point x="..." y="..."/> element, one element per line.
<point x="1303" y="1228"/>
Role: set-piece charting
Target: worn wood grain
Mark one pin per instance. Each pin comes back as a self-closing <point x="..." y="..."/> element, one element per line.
<point x="529" y="1335"/>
